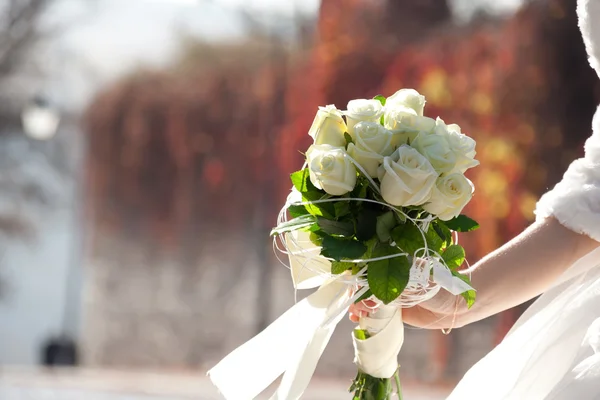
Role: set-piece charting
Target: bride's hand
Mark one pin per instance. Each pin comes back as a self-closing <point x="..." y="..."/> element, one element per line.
<point x="436" y="313"/>
<point x="361" y="309"/>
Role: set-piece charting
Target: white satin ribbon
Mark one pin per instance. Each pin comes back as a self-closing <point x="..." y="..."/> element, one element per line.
<point x="291" y="345"/>
<point x="378" y="354"/>
<point x="308" y="267"/>
<point x="443" y="277"/>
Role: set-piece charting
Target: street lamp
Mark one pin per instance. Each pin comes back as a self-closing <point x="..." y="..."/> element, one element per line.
<point x="40" y="120"/>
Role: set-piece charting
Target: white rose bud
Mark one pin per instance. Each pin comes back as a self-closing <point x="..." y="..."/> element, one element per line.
<point x="450" y="195"/>
<point x="330" y="169"/>
<point x="407" y="178"/>
<point x="405" y="124"/>
<point x="463" y="147"/>
<point x="362" y="110"/>
<point x="328" y="127"/>
<point x="436" y="148"/>
<point x="409" y="98"/>
<point x="372" y="143"/>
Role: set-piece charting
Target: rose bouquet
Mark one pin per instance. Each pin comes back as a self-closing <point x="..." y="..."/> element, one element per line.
<point x="373" y="214"/>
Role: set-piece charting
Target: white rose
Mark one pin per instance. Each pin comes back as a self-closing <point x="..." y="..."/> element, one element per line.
<point x="372" y="143"/>
<point x="405" y="124"/>
<point x="330" y="169"/>
<point x="362" y="110"/>
<point x="409" y="98"/>
<point x="328" y="127"/>
<point x="407" y="178"/>
<point x="450" y="195"/>
<point x="461" y="145"/>
<point x="436" y="148"/>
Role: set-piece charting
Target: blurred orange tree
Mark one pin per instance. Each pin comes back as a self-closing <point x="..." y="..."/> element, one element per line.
<point x="208" y="143"/>
<point x="193" y="149"/>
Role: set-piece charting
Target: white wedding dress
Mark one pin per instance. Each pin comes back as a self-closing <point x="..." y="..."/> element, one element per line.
<point x="553" y="351"/>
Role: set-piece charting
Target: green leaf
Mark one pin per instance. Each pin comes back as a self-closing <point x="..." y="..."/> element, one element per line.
<point x="348" y="139"/>
<point x="357" y="267"/>
<point x="301" y="181"/>
<point x="312" y="228"/>
<point x="388" y="278"/>
<point x="337" y="267"/>
<point x="320" y="210"/>
<point x="400" y="217"/>
<point x="381" y="99"/>
<point x="297" y="210"/>
<point x="316" y="238"/>
<point x="361" y="334"/>
<point x="408" y="237"/>
<point x="341" y="208"/>
<point x="384" y="389"/>
<point x="443" y="232"/>
<point x="360" y="190"/>
<point x="462" y="223"/>
<point x="294" y="224"/>
<point x="385" y="223"/>
<point x="365" y="296"/>
<point x="454" y="256"/>
<point x="366" y="224"/>
<point x="434" y="242"/>
<point x="339" y="249"/>
<point x="332" y="227"/>
<point x="469" y="295"/>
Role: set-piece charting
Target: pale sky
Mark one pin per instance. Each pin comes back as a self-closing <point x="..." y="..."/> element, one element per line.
<point x="116" y="36"/>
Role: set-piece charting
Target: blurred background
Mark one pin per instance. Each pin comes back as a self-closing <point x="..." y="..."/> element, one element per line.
<point x="145" y="147"/>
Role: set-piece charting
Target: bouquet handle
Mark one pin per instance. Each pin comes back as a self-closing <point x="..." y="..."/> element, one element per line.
<point x="378" y="354"/>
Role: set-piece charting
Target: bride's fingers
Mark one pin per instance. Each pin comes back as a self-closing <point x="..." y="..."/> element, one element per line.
<point x="366" y="305"/>
<point x="361" y="309"/>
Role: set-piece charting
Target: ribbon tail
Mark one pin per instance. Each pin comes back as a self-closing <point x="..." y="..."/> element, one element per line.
<point x="296" y="336"/>
<point x="443" y="277"/>
<point x="298" y="375"/>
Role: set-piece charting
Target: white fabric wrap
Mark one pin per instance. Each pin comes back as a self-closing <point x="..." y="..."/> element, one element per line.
<point x="378" y="354"/>
<point x="553" y="351"/>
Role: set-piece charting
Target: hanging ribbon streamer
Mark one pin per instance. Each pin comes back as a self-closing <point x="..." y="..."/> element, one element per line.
<point x="292" y="345"/>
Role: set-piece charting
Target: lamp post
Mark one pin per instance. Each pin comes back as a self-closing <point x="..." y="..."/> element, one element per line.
<point x="40" y="120"/>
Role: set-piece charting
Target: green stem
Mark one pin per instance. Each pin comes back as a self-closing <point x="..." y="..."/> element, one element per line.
<point x="398" y="386"/>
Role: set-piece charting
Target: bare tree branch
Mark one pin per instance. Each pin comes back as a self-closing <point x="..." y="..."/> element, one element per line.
<point x="20" y="32"/>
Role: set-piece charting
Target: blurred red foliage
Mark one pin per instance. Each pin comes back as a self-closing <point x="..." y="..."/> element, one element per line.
<point x="212" y="140"/>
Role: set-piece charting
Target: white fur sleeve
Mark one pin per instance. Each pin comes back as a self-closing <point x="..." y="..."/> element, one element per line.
<point x="575" y="201"/>
<point x="588" y="12"/>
